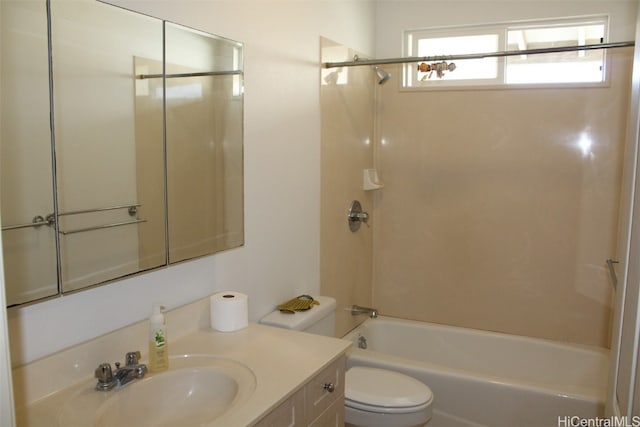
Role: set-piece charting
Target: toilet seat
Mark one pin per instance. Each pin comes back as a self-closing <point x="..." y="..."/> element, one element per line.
<point x="385" y="392"/>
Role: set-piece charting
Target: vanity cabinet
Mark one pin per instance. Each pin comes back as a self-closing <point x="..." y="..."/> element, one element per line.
<point x="319" y="403"/>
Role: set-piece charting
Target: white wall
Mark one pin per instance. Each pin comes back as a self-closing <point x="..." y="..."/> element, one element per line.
<point x="282" y="174"/>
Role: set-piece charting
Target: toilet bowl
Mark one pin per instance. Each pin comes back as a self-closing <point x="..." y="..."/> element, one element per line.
<point x="373" y="397"/>
<point x="382" y="398"/>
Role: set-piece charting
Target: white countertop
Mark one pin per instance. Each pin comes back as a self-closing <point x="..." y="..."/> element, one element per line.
<point x="281" y="360"/>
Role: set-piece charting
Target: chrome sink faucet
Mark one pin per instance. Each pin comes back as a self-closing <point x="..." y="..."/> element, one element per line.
<point x="107" y="379"/>
<point x="371" y="312"/>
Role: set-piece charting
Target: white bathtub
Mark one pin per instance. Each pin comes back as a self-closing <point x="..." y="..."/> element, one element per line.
<point x="482" y="378"/>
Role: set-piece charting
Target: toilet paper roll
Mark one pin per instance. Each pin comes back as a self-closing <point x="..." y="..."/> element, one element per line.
<point x="229" y="311"/>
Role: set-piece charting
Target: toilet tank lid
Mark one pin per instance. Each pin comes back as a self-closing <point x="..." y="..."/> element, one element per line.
<point x="301" y="320"/>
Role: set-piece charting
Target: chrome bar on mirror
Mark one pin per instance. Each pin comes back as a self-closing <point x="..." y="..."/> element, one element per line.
<point x="100" y="227"/>
<point x="133" y="209"/>
<point x="37" y="222"/>
<point x="178" y="75"/>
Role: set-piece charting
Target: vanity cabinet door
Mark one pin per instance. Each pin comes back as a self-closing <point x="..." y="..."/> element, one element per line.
<point x="333" y="416"/>
<point x="290" y="413"/>
<point x="314" y="405"/>
<point x="324" y="389"/>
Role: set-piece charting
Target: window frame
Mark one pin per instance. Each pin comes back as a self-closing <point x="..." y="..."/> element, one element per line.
<point x="410" y="70"/>
<point x="409" y="81"/>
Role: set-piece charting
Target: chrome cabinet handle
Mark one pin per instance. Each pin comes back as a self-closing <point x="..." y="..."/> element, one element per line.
<point x="329" y="387"/>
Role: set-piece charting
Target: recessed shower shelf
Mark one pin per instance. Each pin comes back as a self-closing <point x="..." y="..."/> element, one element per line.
<point x="371" y="180"/>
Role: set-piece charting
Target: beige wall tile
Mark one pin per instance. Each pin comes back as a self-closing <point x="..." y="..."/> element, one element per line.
<point x="346" y="150"/>
<point x="500" y="206"/>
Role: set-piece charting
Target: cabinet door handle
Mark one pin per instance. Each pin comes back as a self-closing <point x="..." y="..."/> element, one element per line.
<point x="329" y="387"/>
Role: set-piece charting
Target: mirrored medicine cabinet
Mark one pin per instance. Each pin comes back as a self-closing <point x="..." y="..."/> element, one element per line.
<point x="121" y="141"/>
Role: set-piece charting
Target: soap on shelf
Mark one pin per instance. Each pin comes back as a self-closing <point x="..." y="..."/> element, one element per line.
<point x="371" y="180"/>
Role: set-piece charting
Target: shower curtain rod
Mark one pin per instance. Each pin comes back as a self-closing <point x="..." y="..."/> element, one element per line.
<point x="357" y="62"/>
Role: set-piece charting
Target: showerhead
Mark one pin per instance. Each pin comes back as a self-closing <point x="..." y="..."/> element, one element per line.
<point x="383" y="76"/>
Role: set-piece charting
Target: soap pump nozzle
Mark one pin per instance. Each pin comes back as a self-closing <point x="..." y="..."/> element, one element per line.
<point x="157" y="309"/>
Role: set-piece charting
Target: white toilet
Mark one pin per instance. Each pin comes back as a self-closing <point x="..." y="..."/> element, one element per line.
<point x="373" y="397"/>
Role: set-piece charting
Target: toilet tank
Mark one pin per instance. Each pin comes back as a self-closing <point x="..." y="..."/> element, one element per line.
<point x="319" y="319"/>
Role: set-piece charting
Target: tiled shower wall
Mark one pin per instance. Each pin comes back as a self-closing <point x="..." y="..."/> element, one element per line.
<point x="501" y="206"/>
<point x="499" y="209"/>
<point x="347" y="105"/>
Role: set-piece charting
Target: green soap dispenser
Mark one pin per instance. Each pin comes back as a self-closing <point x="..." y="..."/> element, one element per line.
<point x="158" y="346"/>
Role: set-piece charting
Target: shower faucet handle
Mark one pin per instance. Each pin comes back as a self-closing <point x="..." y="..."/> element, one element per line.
<point x="356" y="216"/>
<point x="364" y="217"/>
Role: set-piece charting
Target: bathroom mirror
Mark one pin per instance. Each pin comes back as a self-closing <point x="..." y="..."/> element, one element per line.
<point x="26" y="179"/>
<point x="141" y="165"/>
<point x="204" y="100"/>
<point x="99" y="164"/>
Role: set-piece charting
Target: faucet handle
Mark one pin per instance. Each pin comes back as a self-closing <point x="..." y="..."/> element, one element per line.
<point x="132" y="358"/>
<point x="104" y="374"/>
<point x="141" y="371"/>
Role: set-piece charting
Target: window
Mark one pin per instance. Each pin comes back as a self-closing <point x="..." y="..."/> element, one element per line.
<point x="583" y="66"/>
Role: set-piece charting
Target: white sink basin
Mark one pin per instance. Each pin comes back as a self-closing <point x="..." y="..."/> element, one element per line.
<point x="196" y="390"/>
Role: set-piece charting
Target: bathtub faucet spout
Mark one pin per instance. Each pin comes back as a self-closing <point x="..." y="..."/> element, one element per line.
<point x="371" y="312"/>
